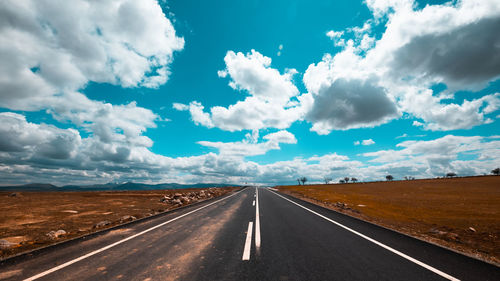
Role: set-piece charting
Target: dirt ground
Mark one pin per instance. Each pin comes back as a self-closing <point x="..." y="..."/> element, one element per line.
<point x="458" y="213"/>
<point x="28" y="218"/>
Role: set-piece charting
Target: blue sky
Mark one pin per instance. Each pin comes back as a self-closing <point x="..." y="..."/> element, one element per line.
<point x="247" y="91"/>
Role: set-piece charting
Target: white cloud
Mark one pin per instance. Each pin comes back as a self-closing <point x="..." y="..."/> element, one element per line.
<point x="436" y="157"/>
<point x="50" y="51"/>
<point x="364" y="142"/>
<point x="115" y="135"/>
<point x="368" y="142"/>
<point x="445" y="117"/>
<point x="336" y="37"/>
<point x="348" y="104"/>
<point x="273" y="100"/>
<point x="198" y="116"/>
<point x="107" y="122"/>
<point x="282" y="136"/>
<point x="54" y="49"/>
<point x="382" y="7"/>
<point x="51" y="47"/>
<point x="250" y="146"/>
<point x="252" y="73"/>
<point x="28" y="140"/>
<point x="463" y="56"/>
<point x="361" y="31"/>
<point x="418" y="124"/>
<point x="89" y="160"/>
<point x="366" y="42"/>
<point x="455" y="44"/>
<point x="180" y="106"/>
<point x="222" y="73"/>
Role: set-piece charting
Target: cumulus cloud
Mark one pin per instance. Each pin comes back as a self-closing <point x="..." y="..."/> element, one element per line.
<point x="34" y="140"/>
<point x="180" y="106"/>
<point x="444" y="117"/>
<point x="114" y="162"/>
<point x="282" y="136"/>
<point x="314" y="168"/>
<point x="252" y="73"/>
<point x="364" y="142"/>
<point x="455" y="44"/>
<point x="366" y="42"/>
<point x="50" y="51"/>
<point x="250" y="146"/>
<point x="198" y="116"/>
<point x="280" y="48"/>
<point x="380" y="8"/>
<point x="347" y="104"/>
<point x="272" y="100"/>
<point x="436" y="157"/>
<point x="52" y="47"/>
<point x="336" y="37"/>
<point x="50" y="147"/>
<point x="465" y="55"/>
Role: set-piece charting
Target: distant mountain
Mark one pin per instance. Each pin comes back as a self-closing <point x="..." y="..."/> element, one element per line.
<point x="108" y="186"/>
<point x="31" y="187"/>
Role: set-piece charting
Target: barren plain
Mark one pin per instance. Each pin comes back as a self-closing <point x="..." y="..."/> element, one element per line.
<point x="30" y="220"/>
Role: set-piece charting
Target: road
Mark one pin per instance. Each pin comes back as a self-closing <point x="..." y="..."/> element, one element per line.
<point x="254" y="234"/>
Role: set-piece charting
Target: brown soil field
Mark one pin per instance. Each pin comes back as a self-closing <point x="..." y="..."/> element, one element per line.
<point x="458" y="213"/>
<point x="27" y="217"/>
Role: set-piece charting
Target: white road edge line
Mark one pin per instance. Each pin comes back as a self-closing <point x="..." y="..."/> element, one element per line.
<point x="248" y="242"/>
<point x="257" y="221"/>
<point x="442" y="274"/>
<point x="39" y="275"/>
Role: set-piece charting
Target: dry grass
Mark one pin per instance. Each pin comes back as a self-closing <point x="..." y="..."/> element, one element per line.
<point x="442" y="211"/>
<point x="26" y="218"/>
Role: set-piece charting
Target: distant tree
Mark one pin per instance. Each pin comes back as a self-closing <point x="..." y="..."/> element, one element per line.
<point x="298" y="180"/>
<point x="354" y="179"/>
<point x="389" y="177"/>
<point x="346" y="179"/>
<point x="451" y="175"/>
<point x="496" y="171"/>
<point x="303" y="180"/>
<point x="327" y="180"/>
<point x="341" y="181"/>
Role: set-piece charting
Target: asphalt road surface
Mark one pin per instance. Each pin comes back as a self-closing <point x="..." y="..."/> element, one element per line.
<point x="254" y="234"/>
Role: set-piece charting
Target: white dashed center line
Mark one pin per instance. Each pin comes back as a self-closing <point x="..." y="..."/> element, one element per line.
<point x="257" y="221"/>
<point x="248" y="242"/>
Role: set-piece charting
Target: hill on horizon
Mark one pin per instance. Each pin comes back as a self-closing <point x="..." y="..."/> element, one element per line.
<point x="108" y="186"/>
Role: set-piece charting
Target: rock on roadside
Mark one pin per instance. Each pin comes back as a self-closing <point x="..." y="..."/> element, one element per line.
<point x="178" y="199"/>
<point x="4" y="244"/>
<point x="56" y="234"/>
<point x="127" y="218"/>
<point x="102" y="224"/>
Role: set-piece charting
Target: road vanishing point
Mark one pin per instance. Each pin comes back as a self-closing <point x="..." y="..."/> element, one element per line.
<point x="252" y="234"/>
